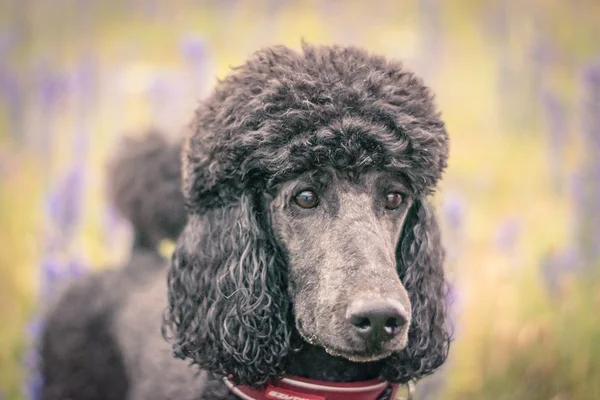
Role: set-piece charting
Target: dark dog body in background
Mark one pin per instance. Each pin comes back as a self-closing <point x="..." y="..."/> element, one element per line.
<point x="310" y="247"/>
<point x="83" y="353"/>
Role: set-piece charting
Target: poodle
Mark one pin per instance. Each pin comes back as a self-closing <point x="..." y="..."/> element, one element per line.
<point x="310" y="252"/>
<point x="81" y="355"/>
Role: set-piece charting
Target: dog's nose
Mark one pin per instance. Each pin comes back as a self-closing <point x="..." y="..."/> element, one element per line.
<point x="377" y="320"/>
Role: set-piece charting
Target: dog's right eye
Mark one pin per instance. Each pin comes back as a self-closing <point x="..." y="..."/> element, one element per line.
<point x="306" y="199"/>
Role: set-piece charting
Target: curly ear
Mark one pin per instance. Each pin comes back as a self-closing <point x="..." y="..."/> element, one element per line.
<point x="228" y="306"/>
<point x="420" y="265"/>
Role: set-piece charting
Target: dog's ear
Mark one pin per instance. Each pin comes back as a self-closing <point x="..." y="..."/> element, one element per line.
<point x="420" y="259"/>
<point x="227" y="299"/>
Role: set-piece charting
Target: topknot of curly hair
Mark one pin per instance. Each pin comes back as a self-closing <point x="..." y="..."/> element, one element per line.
<point x="286" y="112"/>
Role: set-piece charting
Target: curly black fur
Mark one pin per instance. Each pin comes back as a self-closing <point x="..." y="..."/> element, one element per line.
<point x="279" y="115"/>
<point x="420" y="266"/>
<point x="227" y="292"/>
<point x="144" y="184"/>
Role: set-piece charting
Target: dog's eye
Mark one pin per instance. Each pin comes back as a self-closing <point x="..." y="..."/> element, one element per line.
<point x="393" y="200"/>
<point x="306" y="199"/>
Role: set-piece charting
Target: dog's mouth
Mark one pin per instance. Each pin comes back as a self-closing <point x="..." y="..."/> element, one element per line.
<point x="356" y="352"/>
<point x="362" y="357"/>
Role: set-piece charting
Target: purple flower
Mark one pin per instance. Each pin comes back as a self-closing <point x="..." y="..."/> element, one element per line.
<point x="542" y="55"/>
<point x="550" y="271"/>
<point x="64" y="209"/>
<point x="51" y="275"/>
<point x="507" y="234"/>
<point x="31" y="358"/>
<point x="454" y="300"/>
<point x="65" y="202"/>
<point x="76" y="268"/>
<point x="453" y="216"/>
<point x="193" y="48"/>
<point x="10" y="90"/>
<point x="7" y="83"/>
<point x="85" y="81"/>
<point x="32" y="382"/>
<point x="587" y="196"/>
<point x="453" y="211"/>
<point x="555" y="117"/>
<point x="542" y="52"/>
<point x="578" y="189"/>
<point x="54" y="272"/>
<point x="34" y="328"/>
<point x="51" y="85"/>
<point x="33" y="385"/>
<point x="558" y="263"/>
<point x="591" y="115"/>
<point x="51" y="269"/>
<point x="582" y="191"/>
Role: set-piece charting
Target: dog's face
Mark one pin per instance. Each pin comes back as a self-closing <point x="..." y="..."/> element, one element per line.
<point x="340" y="233"/>
<point x="325" y="244"/>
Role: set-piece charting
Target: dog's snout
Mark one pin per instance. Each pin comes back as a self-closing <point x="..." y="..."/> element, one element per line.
<point x="377" y="320"/>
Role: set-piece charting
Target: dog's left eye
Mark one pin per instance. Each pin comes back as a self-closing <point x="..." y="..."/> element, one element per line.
<point x="393" y="200"/>
<point x="306" y="199"/>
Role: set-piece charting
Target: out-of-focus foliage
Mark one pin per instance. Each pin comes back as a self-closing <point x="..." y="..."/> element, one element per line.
<point x="518" y="83"/>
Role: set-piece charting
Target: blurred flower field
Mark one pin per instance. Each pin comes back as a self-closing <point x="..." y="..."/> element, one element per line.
<point x="518" y="83"/>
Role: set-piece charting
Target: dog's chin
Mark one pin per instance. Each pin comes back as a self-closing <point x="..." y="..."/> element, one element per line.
<point x="358" y="357"/>
<point x="362" y="355"/>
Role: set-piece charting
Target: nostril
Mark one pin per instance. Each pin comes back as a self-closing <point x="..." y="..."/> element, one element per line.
<point x="361" y="323"/>
<point x="392" y="326"/>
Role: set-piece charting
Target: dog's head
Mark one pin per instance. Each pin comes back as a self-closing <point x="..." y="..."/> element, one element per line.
<point x="306" y="178"/>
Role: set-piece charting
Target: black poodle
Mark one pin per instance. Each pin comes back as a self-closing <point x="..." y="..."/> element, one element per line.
<point x="310" y="247"/>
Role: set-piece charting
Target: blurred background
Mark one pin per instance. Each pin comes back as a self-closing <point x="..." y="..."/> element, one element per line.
<point x="518" y="83"/>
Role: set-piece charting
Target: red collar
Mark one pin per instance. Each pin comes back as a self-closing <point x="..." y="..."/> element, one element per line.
<point x="295" y="388"/>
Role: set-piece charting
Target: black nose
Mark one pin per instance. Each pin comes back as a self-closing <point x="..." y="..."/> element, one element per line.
<point x="377" y="320"/>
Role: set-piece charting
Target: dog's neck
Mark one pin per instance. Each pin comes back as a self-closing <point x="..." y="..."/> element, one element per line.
<point x="316" y="367"/>
<point x="314" y="362"/>
<point x="308" y="371"/>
